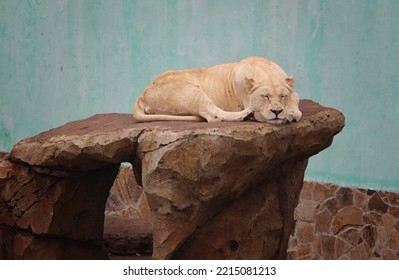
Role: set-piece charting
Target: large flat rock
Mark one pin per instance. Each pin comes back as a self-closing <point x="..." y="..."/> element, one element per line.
<point x="215" y="190"/>
<point x="112" y="138"/>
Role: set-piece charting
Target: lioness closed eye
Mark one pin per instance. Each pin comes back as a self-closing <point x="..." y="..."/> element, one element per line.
<point x="225" y="92"/>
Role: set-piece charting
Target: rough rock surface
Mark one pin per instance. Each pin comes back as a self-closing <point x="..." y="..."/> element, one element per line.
<point x="127" y="224"/>
<point x="215" y="190"/>
<point x="3" y="154"/>
<point x="234" y="196"/>
<point x="345" y="223"/>
<point x="127" y="198"/>
<point x="127" y="236"/>
<point x="47" y="216"/>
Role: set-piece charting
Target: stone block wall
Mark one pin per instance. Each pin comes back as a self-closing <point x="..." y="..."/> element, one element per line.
<point x="345" y="223"/>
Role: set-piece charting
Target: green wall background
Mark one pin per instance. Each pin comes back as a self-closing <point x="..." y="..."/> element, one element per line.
<point x="65" y="60"/>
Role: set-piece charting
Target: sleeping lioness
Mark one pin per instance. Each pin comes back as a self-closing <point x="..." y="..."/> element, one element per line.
<point x="226" y="92"/>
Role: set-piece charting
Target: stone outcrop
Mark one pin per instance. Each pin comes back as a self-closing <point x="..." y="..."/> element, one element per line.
<point x="127" y="224"/>
<point x="3" y="154"/>
<point x="127" y="198"/>
<point x="47" y="216"/>
<point x="345" y="223"/>
<point x="215" y="190"/>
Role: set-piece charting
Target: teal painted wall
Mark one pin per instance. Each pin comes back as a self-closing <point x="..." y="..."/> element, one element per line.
<point x="65" y="60"/>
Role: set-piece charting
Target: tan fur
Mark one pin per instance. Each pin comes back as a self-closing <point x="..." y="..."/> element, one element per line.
<point x="225" y="92"/>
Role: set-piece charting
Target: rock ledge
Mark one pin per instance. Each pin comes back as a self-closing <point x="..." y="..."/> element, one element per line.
<point x="215" y="190"/>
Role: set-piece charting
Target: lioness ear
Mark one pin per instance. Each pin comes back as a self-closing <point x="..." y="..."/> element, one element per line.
<point x="290" y="81"/>
<point x="250" y="83"/>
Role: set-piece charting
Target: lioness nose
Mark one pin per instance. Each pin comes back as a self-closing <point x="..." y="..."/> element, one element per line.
<point x="276" y="112"/>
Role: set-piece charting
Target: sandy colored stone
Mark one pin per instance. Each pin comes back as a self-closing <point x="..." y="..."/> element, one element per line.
<point x="350" y="215"/>
<point x="145" y="211"/>
<point x="369" y="235"/>
<point x="361" y="252"/>
<point x="341" y="247"/>
<point x="321" y="192"/>
<point x="389" y="222"/>
<point x="394" y="211"/>
<point x="124" y="192"/>
<point x="393" y="242"/>
<point x="373" y="217"/>
<point x="331" y="204"/>
<point x="360" y="198"/>
<point x="292" y="255"/>
<point x="307" y="191"/>
<point x="389" y="254"/>
<point x="292" y="242"/>
<point x="316" y="246"/>
<point x="126" y="197"/>
<point x="304" y="231"/>
<point x="323" y="221"/>
<point x="305" y="210"/>
<point x="3" y="155"/>
<point x="391" y="198"/>
<point x="324" y="246"/>
<point x="376" y="203"/>
<point x="382" y="237"/>
<point x="5" y="169"/>
<point x="351" y="235"/>
<point x="344" y="197"/>
<point x="304" y="251"/>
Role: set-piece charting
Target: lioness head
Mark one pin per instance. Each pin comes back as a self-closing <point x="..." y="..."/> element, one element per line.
<point x="275" y="103"/>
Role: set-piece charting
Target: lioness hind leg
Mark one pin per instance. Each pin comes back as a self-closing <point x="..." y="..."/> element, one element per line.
<point x="140" y="115"/>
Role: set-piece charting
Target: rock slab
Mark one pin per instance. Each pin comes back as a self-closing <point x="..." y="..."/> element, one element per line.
<point x="215" y="190"/>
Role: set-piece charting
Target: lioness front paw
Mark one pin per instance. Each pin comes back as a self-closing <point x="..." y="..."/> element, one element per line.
<point x="297" y="115"/>
<point x="246" y="113"/>
<point x="294" y="115"/>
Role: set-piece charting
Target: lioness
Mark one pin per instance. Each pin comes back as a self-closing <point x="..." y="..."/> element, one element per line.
<point x="225" y="92"/>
